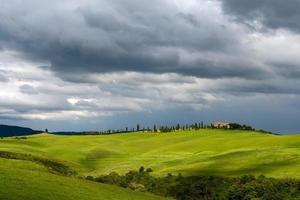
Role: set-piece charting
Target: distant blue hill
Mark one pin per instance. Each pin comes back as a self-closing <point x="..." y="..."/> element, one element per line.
<point x="9" y="131"/>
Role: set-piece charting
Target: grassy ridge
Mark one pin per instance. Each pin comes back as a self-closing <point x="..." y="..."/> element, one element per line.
<point x="21" y="180"/>
<point x="216" y="152"/>
<point x="51" y="165"/>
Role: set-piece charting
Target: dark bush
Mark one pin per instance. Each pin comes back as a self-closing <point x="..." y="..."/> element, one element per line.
<point x="53" y="166"/>
<point x="206" y="187"/>
<point x="149" y="170"/>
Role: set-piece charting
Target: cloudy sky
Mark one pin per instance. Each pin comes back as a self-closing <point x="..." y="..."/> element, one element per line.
<point x="95" y="64"/>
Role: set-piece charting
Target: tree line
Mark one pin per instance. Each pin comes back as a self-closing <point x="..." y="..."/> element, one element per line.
<point x="172" y="128"/>
<point x="155" y="128"/>
<point x="162" y="129"/>
<point x="246" y="187"/>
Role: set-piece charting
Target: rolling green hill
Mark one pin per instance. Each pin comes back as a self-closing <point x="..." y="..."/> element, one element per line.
<point x="21" y="180"/>
<point x="204" y="152"/>
<point x="218" y="152"/>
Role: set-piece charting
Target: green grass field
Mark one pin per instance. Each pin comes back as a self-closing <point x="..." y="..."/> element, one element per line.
<point x="214" y="152"/>
<point x="20" y="180"/>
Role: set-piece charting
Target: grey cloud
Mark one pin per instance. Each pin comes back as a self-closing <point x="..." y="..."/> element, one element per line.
<point x="109" y="36"/>
<point x="3" y="78"/>
<point x="226" y="66"/>
<point x="13" y="117"/>
<point x="28" y="89"/>
<point x="141" y="58"/>
<point x="274" y="14"/>
<point x="275" y="86"/>
<point x="288" y="70"/>
<point x="23" y="107"/>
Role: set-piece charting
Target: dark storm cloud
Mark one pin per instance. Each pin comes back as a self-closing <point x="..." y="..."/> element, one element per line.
<point x="222" y="67"/>
<point x="22" y="107"/>
<point x="242" y="88"/>
<point x="11" y="117"/>
<point x="273" y="14"/>
<point x="28" y="89"/>
<point x="288" y="70"/>
<point x="109" y="36"/>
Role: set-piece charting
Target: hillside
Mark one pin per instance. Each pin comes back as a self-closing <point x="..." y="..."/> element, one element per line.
<point x="25" y="180"/>
<point x="47" y="167"/>
<point x="9" y="131"/>
<point x="215" y="152"/>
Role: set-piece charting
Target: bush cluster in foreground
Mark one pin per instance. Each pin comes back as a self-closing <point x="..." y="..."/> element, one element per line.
<point x="52" y="166"/>
<point x="205" y="187"/>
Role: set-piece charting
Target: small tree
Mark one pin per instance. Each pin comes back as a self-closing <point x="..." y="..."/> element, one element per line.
<point x="142" y="169"/>
<point x="196" y="125"/>
<point x="177" y="127"/>
<point x="149" y="170"/>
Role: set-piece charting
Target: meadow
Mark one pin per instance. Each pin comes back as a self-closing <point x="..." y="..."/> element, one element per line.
<point x="21" y="180"/>
<point x="215" y="152"/>
<point x="201" y="152"/>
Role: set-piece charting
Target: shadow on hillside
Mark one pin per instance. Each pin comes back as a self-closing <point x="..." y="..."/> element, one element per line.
<point x="51" y="165"/>
<point x="255" y="169"/>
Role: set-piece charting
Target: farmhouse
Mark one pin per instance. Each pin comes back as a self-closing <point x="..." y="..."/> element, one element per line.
<point x="221" y="125"/>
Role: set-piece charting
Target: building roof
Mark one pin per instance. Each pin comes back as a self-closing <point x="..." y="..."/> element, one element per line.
<point x="221" y="123"/>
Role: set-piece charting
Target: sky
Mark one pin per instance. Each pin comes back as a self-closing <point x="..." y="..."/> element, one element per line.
<point x="74" y="65"/>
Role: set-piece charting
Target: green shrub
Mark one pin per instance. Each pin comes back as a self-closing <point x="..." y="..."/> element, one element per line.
<point x="206" y="187"/>
<point x="53" y="166"/>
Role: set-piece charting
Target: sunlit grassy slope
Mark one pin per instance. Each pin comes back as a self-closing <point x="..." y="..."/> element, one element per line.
<point x="217" y="152"/>
<point x="22" y="180"/>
